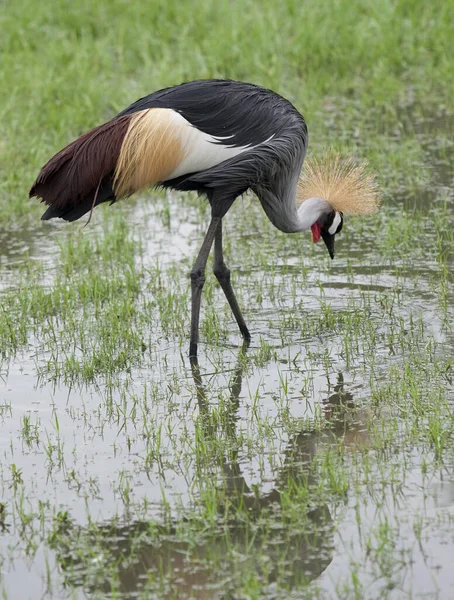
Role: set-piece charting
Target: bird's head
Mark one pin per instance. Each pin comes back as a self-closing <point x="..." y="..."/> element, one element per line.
<point x="331" y="187"/>
<point x="326" y="227"/>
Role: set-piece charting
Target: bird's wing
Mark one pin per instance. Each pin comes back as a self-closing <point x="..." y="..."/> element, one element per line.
<point x="161" y="145"/>
<point x="241" y="133"/>
<point x="127" y="154"/>
<point x="232" y="113"/>
<point x="191" y="131"/>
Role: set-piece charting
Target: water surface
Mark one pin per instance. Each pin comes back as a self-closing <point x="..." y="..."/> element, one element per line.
<point x="315" y="463"/>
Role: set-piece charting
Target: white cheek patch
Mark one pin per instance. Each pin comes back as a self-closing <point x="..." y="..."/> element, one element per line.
<point x="335" y="224"/>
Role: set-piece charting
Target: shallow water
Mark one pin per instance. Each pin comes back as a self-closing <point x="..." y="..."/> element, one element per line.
<point x="345" y="361"/>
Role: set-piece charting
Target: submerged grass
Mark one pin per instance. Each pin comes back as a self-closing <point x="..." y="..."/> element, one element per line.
<point x="318" y="462"/>
<point x="272" y="462"/>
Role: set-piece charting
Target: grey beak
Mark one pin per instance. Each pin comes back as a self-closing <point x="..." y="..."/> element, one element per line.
<point x="328" y="238"/>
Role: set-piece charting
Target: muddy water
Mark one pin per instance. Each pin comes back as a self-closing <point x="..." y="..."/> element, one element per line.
<point x="284" y="405"/>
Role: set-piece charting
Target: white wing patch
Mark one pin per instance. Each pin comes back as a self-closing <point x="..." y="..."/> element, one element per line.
<point x="201" y="151"/>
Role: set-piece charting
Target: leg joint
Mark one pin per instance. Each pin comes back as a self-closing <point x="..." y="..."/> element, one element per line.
<point x="197" y="277"/>
<point x="222" y="272"/>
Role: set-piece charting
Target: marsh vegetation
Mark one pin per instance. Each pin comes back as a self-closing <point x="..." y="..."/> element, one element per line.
<point x="318" y="462"/>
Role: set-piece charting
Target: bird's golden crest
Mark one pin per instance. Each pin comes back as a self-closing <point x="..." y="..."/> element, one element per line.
<point x="349" y="186"/>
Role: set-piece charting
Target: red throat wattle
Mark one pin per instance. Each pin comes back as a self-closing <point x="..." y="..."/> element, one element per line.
<point x="316" y="232"/>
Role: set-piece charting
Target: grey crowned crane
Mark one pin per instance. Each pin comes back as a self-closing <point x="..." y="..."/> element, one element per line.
<point x="220" y="138"/>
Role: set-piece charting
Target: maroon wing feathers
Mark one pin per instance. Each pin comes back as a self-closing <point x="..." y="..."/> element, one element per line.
<point x="75" y="172"/>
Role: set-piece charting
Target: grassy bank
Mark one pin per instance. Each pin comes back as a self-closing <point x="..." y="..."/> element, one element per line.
<point x="68" y="66"/>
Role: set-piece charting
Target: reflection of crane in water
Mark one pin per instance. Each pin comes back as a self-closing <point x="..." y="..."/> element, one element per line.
<point x="245" y="541"/>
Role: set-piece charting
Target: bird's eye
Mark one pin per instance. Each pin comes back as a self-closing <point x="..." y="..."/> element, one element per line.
<point x="336" y="223"/>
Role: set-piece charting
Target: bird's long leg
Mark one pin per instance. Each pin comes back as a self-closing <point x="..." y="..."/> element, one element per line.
<point x="197" y="282"/>
<point x="223" y="276"/>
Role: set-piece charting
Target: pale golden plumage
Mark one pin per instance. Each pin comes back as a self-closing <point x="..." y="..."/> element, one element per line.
<point x="349" y="186"/>
<point x="150" y="151"/>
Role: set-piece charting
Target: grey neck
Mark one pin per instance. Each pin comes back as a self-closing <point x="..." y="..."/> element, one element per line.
<point x="284" y="214"/>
